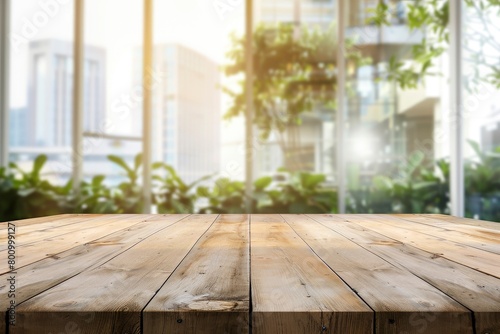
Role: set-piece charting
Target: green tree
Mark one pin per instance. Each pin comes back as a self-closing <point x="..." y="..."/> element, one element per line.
<point x="432" y="16"/>
<point x="294" y="73"/>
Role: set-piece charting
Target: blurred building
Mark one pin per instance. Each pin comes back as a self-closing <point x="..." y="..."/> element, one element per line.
<point x="44" y="126"/>
<point x="59" y="165"/>
<point x="385" y="124"/>
<point x="309" y="12"/>
<point x="186" y="110"/>
<point x="490" y="132"/>
<point x="18" y="120"/>
<point x="50" y="91"/>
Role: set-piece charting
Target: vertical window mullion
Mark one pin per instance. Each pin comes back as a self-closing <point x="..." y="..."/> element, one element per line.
<point x="340" y="119"/>
<point x="457" y="191"/>
<point x="5" y="14"/>
<point x="78" y="90"/>
<point x="249" y="100"/>
<point x="147" y="81"/>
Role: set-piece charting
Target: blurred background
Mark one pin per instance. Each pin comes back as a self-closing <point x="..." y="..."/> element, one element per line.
<point x="352" y="107"/>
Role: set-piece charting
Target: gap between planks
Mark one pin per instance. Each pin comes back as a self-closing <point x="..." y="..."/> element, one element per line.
<point x="125" y="284"/>
<point x="395" y="294"/>
<point x="477" y="291"/>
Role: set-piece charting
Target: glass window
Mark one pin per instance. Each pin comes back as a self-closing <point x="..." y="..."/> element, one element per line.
<point x="481" y="109"/>
<point x="40" y="85"/>
<point x="396" y="154"/>
<point x="113" y="90"/>
<point x="189" y="98"/>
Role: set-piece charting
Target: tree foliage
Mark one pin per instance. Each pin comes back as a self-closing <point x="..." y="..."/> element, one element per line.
<point x="432" y="17"/>
<point x="294" y="72"/>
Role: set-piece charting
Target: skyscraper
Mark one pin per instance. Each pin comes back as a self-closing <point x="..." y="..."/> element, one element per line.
<point x="17" y="122"/>
<point x="186" y="111"/>
<point x="44" y="125"/>
<point x="50" y="92"/>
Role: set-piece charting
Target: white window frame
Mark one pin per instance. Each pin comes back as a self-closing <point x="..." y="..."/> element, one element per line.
<point x="457" y="189"/>
<point x="5" y="14"/>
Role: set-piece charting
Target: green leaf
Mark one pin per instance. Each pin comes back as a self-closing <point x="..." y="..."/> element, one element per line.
<point x="137" y="161"/>
<point x="97" y="180"/>
<point x="38" y="165"/>
<point x="202" y="191"/>
<point x="310" y="181"/>
<point x="263" y="182"/>
<point x="158" y="165"/>
<point x="119" y="161"/>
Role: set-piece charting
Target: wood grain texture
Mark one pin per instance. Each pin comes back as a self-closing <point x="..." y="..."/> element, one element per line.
<point x="26" y="234"/>
<point x="475" y="237"/>
<point x="49" y="272"/>
<point x="37" y="220"/>
<point x="293" y="291"/>
<point x="474" y="258"/>
<point x="465" y="221"/>
<point x="395" y="294"/>
<point x="119" y="289"/>
<point x="477" y="291"/>
<point x="255" y="273"/>
<point x="67" y="237"/>
<point x="209" y="291"/>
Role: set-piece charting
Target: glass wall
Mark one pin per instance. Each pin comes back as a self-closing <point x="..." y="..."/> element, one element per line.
<point x="190" y="46"/>
<point x="481" y="109"/>
<point x="397" y="114"/>
<point x="40" y="85"/>
<point x="113" y="90"/>
<point x="295" y="96"/>
<point x="396" y="147"/>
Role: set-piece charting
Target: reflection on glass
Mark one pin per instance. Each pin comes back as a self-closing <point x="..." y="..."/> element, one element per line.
<point x="112" y="95"/>
<point x="394" y="132"/>
<point x="41" y="86"/>
<point x="481" y="51"/>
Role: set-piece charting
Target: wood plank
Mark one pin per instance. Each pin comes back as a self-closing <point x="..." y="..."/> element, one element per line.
<point x="474" y="258"/>
<point x="466" y="221"/>
<point x="475" y="290"/>
<point x="71" y="236"/>
<point x="36" y="220"/>
<point x="110" y="297"/>
<point x="293" y="291"/>
<point x="474" y="236"/>
<point x="44" y="274"/>
<point x="395" y="294"/>
<point x="49" y="272"/>
<point x="35" y="232"/>
<point x="209" y="291"/>
<point x="25" y="222"/>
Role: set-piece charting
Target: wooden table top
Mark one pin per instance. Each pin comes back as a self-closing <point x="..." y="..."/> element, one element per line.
<point x="273" y="273"/>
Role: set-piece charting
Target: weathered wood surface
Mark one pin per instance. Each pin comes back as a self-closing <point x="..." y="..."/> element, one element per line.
<point x="293" y="290"/>
<point x="253" y="273"/>
<point x="393" y="293"/>
<point x="213" y="278"/>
